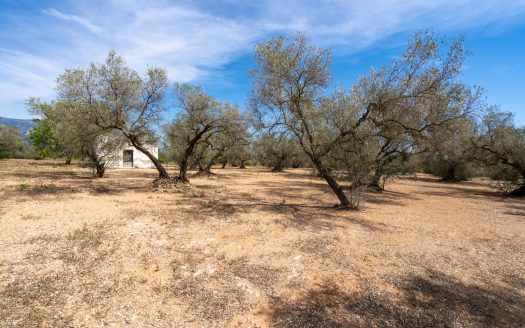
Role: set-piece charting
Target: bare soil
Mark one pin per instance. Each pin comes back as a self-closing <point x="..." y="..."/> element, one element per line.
<point x="253" y="248"/>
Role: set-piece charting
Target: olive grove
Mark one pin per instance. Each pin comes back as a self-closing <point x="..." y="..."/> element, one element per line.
<point x="412" y="114"/>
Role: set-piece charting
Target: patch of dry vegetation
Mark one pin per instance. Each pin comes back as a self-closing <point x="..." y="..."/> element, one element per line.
<point x="60" y="268"/>
<point x="424" y="254"/>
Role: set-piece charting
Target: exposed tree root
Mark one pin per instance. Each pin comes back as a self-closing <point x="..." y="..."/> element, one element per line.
<point x="346" y="207"/>
<point x="176" y="185"/>
<point x="165" y="184"/>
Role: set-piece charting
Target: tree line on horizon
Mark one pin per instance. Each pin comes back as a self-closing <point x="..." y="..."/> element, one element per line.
<point x="412" y="115"/>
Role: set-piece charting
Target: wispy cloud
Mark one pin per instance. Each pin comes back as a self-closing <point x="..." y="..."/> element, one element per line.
<point x="84" y="22"/>
<point x="193" y="40"/>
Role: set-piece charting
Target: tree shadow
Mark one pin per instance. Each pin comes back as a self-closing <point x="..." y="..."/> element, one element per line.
<point x="437" y="180"/>
<point x="435" y="187"/>
<point x="30" y="191"/>
<point x="25" y="191"/>
<point x="517" y="207"/>
<point x="322" y="218"/>
<point x="100" y="190"/>
<point x="460" y="192"/>
<point x="300" y="175"/>
<point x="297" y="183"/>
<point x="387" y="197"/>
<point x="431" y="300"/>
<point x="315" y="217"/>
<point x="516" y="213"/>
<point x="54" y="175"/>
<point x="297" y="209"/>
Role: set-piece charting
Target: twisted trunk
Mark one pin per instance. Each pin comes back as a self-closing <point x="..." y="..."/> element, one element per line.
<point x="450" y="176"/>
<point x="375" y="184"/>
<point x="325" y="173"/>
<point x="183" y="177"/>
<point x="163" y="173"/>
<point x="182" y="170"/>
<point x="69" y="157"/>
<point x="100" y="169"/>
<point x="211" y="162"/>
<point x="279" y="165"/>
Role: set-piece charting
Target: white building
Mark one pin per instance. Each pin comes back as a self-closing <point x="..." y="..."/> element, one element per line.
<point x="129" y="156"/>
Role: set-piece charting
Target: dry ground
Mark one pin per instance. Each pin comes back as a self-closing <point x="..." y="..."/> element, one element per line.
<point x="250" y="248"/>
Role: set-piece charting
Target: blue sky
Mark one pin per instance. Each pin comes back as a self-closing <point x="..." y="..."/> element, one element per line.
<point x="210" y="42"/>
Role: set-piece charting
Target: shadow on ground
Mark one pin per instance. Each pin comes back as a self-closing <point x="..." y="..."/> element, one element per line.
<point x="433" y="300"/>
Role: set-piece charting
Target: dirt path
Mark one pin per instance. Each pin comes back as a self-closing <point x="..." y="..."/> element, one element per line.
<point x="251" y="248"/>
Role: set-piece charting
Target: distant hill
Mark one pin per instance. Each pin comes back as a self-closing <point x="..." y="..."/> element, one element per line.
<point x="22" y="125"/>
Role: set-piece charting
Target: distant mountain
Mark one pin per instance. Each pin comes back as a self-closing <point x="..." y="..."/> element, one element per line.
<point x="22" y="125"/>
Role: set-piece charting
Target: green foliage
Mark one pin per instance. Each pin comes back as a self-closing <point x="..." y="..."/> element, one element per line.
<point x="203" y="130"/>
<point x="501" y="146"/>
<point x="43" y="138"/>
<point x="278" y="151"/>
<point x="12" y="145"/>
<point x="111" y="100"/>
<point x="370" y="128"/>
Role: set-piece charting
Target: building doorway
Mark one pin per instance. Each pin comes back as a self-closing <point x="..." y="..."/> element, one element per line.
<point x="127" y="158"/>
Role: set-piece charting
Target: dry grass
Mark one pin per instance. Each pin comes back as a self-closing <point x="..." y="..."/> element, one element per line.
<point x="251" y="248"/>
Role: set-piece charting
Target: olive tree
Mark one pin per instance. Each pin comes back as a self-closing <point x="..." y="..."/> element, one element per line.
<point x="12" y="145"/>
<point x="450" y="152"/>
<point x="200" y="119"/>
<point x="409" y="96"/>
<point x="232" y="141"/>
<point x="287" y="85"/>
<point x="44" y="141"/>
<point x="500" y="143"/>
<point x="241" y="153"/>
<point x="414" y="99"/>
<point x="72" y="133"/>
<point x="276" y="150"/>
<point x="113" y="97"/>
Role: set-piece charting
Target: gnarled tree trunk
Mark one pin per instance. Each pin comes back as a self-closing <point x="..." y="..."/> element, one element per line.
<point x="450" y="176"/>
<point x="279" y="165"/>
<point x="211" y="162"/>
<point x="69" y="157"/>
<point x="183" y="176"/>
<point x="100" y="168"/>
<point x="163" y="173"/>
<point x="332" y="182"/>
<point x="375" y="184"/>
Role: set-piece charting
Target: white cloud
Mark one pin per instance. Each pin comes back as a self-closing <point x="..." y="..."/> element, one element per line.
<point x="193" y="40"/>
<point x="361" y="23"/>
<point x="22" y="75"/>
<point x="86" y="23"/>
